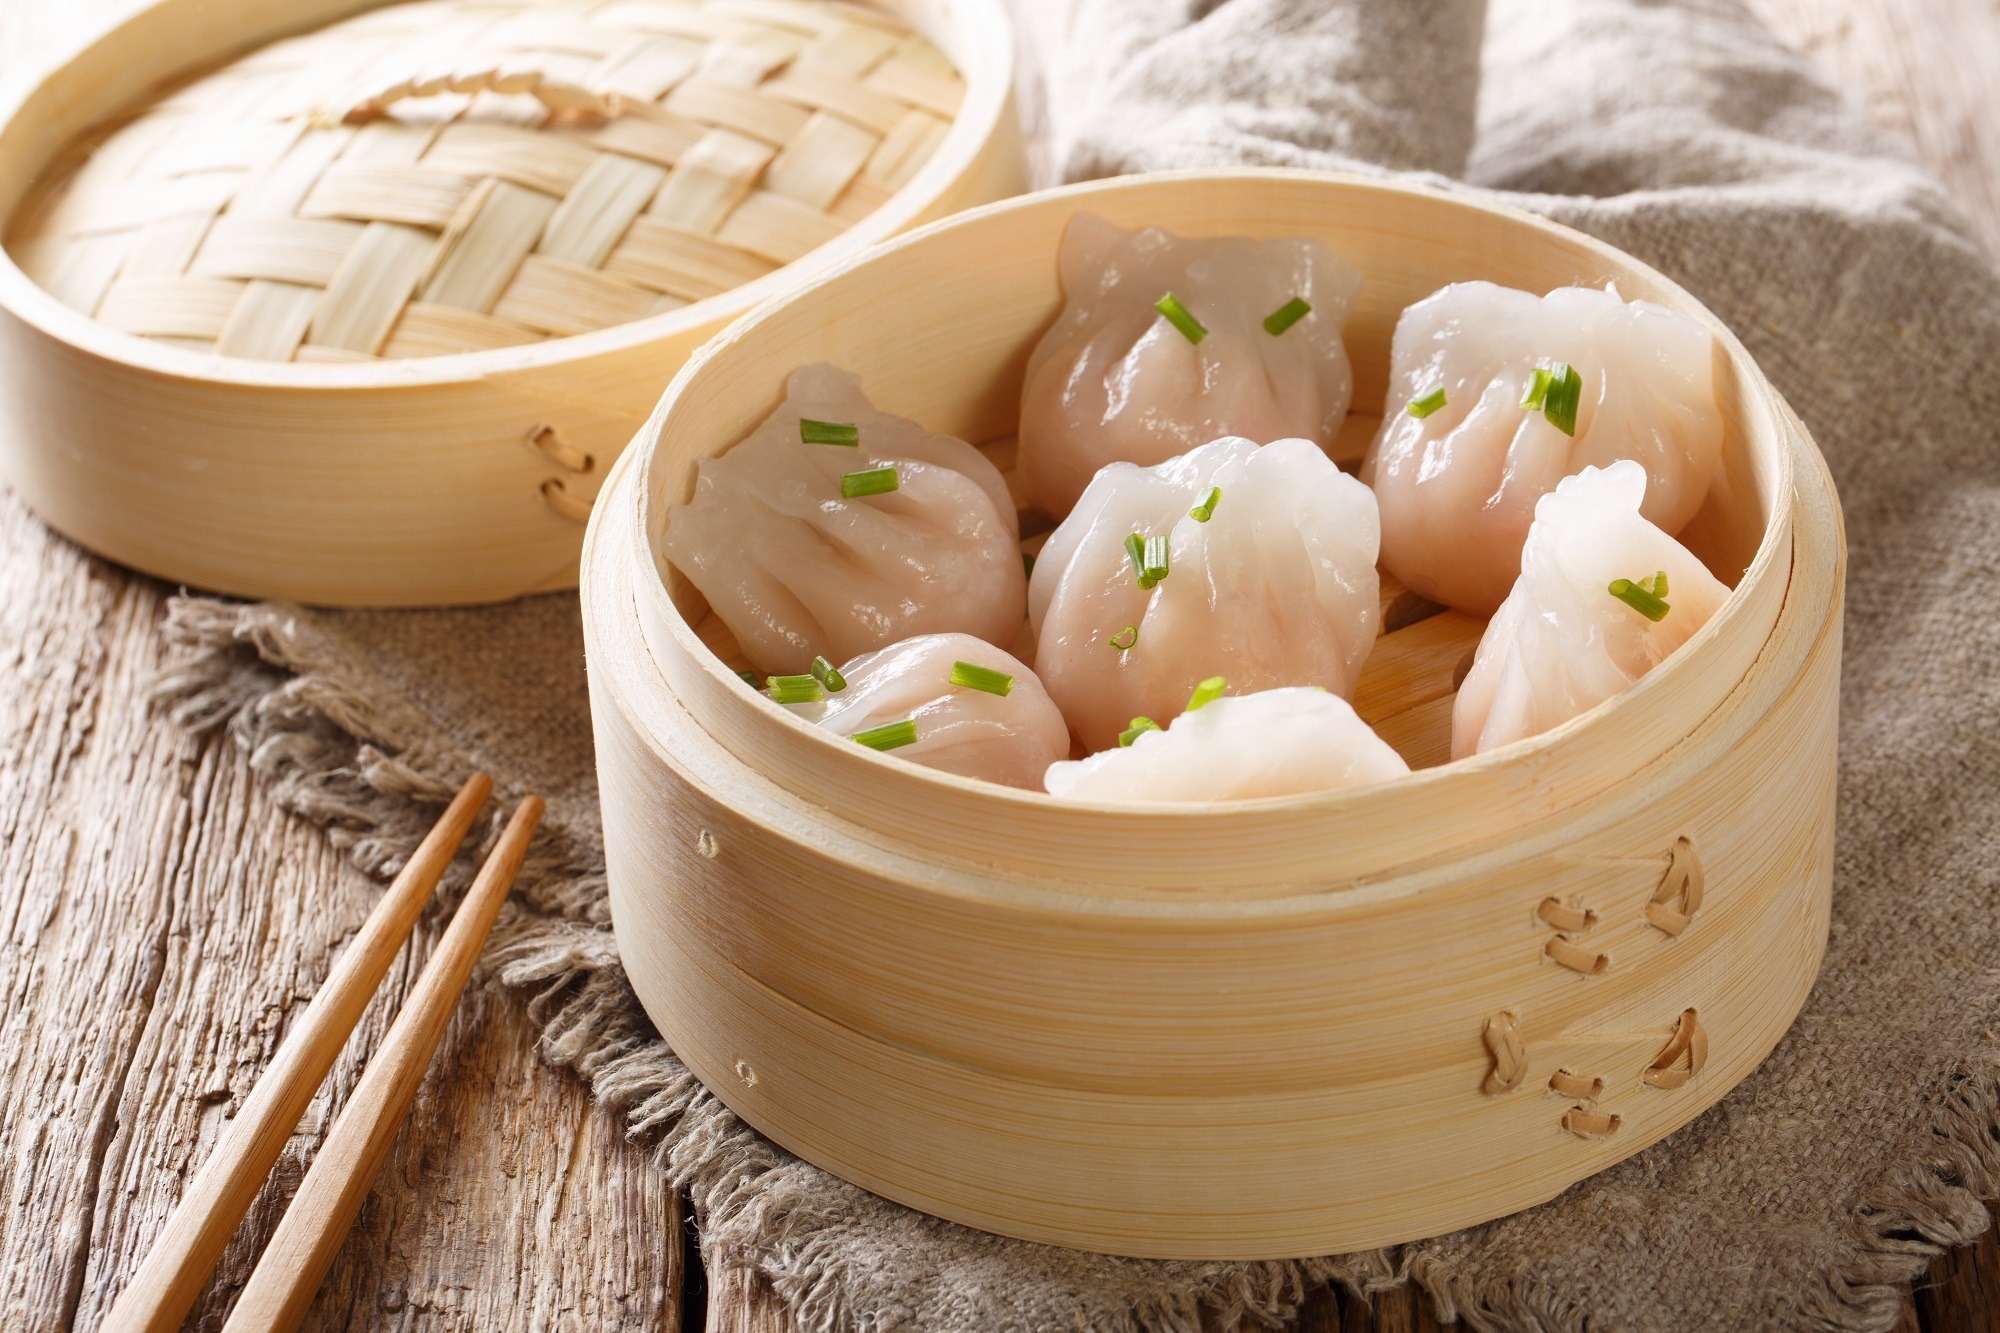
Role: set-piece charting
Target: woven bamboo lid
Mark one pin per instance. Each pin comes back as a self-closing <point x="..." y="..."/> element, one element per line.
<point x="458" y="175"/>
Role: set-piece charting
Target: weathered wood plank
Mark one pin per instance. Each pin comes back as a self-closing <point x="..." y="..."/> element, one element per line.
<point x="1928" y="69"/>
<point x="162" y="923"/>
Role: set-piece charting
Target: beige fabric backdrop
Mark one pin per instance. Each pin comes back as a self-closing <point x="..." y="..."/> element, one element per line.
<point x="1680" y="131"/>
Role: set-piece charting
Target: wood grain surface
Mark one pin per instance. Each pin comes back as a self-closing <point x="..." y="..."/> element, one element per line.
<point x="161" y="922"/>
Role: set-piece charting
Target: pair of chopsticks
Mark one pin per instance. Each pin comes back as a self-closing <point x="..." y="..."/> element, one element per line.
<point x="303" y="1246"/>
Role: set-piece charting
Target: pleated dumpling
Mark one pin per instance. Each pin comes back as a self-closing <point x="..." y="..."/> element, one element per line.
<point x="951" y="702"/>
<point x="1495" y="395"/>
<point x="1253" y="563"/>
<point x="834" y="528"/>
<point x="1603" y="597"/>
<point x="1237" y="748"/>
<point x="1116" y="380"/>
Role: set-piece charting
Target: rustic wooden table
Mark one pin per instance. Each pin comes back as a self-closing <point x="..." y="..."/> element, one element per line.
<point x="161" y="921"/>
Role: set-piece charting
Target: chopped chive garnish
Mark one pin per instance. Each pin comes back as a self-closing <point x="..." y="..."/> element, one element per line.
<point x="1124" y="638"/>
<point x="1644" y="596"/>
<point x="1028" y="563"/>
<point x="889" y="735"/>
<point x="828" y="675"/>
<point x="875" y="481"/>
<point x="1559" y="404"/>
<point x="1135" y="546"/>
<point x="751" y="679"/>
<point x="1286" y="315"/>
<point x="1204" y="506"/>
<point x="1538" y="389"/>
<point x="795" y="689"/>
<point x="829" y="432"/>
<point x="1140" y="726"/>
<point x="975" y="677"/>
<point x="1207" y="692"/>
<point x="1429" y="403"/>
<point x="1153" y="563"/>
<point x="1178" y="316"/>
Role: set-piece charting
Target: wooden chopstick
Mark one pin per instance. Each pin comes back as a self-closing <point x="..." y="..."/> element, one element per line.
<point x="172" y="1274"/>
<point x="317" y="1221"/>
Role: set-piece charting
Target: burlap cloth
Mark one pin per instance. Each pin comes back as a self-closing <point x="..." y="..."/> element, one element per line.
<point x="1681" y="132"/>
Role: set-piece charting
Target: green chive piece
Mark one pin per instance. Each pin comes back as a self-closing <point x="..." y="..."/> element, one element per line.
<point x="1565" y="392"/>
<point x="795" y="689"/>
<point x="1286" y="315"/>
<point x="975" y="677"/>
<point x="1153" y="562"/>
<point x="1659" y="588"/>
<point x="1140" y="726"/>
<point x="1538" y="389"/>
<point x="1640" y="598"/>
<point x="751" y="679"/>
<point x="889" y="735"/>
<point x="1429" y="403"/>
<point x="1028" y="563"/>
<point x="1135" y="546"/>
<point x="1204" y="506"/>
<point x="844" y="433"/>
<point x="1178" y="316"/>
<point x="1207" y="692"/>
<point x="875" y="481"/>
<point x="1124" y="638"/>
<point x="828" y="675"/>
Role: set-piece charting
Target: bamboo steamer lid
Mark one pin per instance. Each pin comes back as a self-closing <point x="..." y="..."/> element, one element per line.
<point x="457" y="175"/>
<point x="356" y="304"/>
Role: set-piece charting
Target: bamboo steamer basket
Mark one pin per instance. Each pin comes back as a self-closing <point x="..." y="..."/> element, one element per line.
<point x="437" y="435"/>
<point x="1275" y="1028"/>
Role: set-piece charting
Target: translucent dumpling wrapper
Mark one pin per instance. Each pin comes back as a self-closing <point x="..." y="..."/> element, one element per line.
<point x="1283" y="742"/>
<point x="795" y="569"/>
<point x="1458" y="485"/>
<point x="1009" y="738"/>
<point x="1277" y="587"/>
<point x="1116" y="381"/>
<point x="1564" y="641"/>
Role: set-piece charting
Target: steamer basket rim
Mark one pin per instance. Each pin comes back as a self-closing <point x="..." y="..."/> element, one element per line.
<point x="1766" y="417"/>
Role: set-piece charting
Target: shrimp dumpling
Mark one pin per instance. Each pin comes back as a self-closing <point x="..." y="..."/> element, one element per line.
<point x="1283" y="742"/>
<point x="1266" y="575"/>
<point x="1603" y="597"/>
<point x="1115" y="380"/>
<point x="798" y="560"/>
<point x="1458" y="484"/>
<point x="1002" y="727"/>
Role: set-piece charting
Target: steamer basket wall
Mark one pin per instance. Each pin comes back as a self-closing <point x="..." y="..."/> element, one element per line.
<point x="457" y="478"/>
<point x="1278" y="1028"/>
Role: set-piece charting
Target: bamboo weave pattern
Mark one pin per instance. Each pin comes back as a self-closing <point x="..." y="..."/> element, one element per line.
<point x="239" y="215"/>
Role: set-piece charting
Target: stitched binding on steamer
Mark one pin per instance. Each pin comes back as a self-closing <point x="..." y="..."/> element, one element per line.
<point x="1508" y="1051"/>
<point x="1674" y="903"/>
<point x="559" y="451"/>
<point x="1565" y="917"/>
<point x="1576" y="1087"/>
<point x="1588" y="1124"/>
<point x="563" y="502"/>
<point x="1682" y="1057"/>
<point x="1563" y="950"/>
